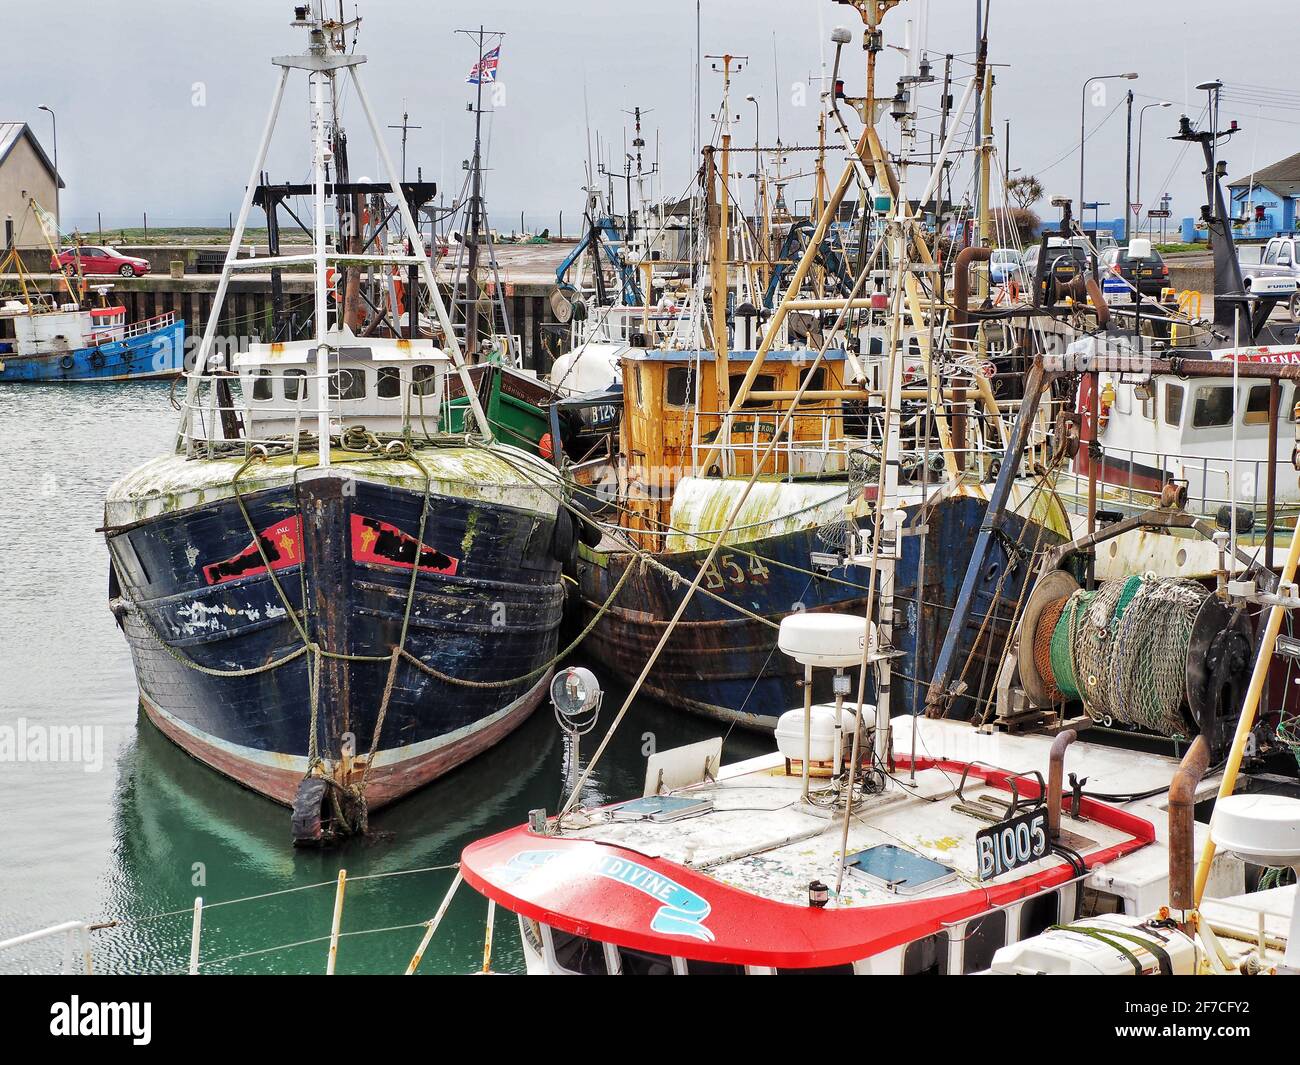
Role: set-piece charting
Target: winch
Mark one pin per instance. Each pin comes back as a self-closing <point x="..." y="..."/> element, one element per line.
<point x="1157" y="654"/>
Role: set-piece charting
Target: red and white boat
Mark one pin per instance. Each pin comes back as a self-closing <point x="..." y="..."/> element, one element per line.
<point x="966" y="843"/>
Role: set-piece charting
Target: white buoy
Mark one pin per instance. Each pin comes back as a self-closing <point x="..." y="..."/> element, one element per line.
<point x="1265" y="830"/>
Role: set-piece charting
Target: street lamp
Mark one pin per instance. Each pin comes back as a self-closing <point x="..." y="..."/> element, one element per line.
<point x="54" y="122"/>
<point x="1083" y="114"/>
<point x="758" y="197"/>
<point x="1141" y="115"/>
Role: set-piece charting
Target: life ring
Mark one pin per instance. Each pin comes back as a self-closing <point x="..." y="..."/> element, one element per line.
<point x="545" y="447"/>
<point x="97" y="359"/>
<point x="67" y="362"/>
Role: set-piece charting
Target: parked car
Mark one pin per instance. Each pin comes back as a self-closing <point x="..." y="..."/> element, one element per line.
<point x="1004" y="266"/>
<point x="99" y="260"/>
<point x="1064" y="263"/>
<point x="1280" y="258"/>
<point x="1148" y="274"/>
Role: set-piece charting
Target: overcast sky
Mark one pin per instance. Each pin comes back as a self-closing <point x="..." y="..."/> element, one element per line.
<point x="160" y="102"/>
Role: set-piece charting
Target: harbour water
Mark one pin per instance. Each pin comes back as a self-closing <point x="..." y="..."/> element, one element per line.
<point x="131" y="829"/>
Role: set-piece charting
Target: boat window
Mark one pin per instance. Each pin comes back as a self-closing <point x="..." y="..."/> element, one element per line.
<point x="348" y="384"/>
<point x="636" y="385"/>
<point x="1039" y="914"/>
<point x="927" y="957"/>
<point x="295" y="384"/>
<point x="1096" y="903"/>
<point x="816" y="379"/>
<point x="821" y="970"/>
<point x="578" y="954"/>
<point x="713" y="968"/>
<point x="1213" y="406"/>
<point x="641" y="963"/>
<point x="764" y="382"/>
<point x="262" y="384"/>
<point x="1174" y="405"/>
<point x="388" y="384"/>
<point x="679" y="390"/>
<point x="1256" y="406"/>
<point x="423" y="380"/>
<point x="984" y="935"/>
<point x="876" y="346"/>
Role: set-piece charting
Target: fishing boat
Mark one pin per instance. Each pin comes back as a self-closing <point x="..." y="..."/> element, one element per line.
<point x="778" y="418"/>
<point x="858" y="846"/>
<point x="1057" y="834"/>
<point x="333" y="591"/>
<point x="1216" y="446"/>
<point x="62" y="337"/>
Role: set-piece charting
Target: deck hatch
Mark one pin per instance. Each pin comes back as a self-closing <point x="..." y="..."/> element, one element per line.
<point x="900" y="871"/>
<point x="661" y="808"/>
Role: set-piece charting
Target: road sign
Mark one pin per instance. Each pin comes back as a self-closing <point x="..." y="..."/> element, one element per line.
<point x="1137" y="208"/>
<point x="1158" y="213"/>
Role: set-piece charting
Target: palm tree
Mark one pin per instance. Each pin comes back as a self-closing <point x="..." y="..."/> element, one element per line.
<point x="1026" y="190"/>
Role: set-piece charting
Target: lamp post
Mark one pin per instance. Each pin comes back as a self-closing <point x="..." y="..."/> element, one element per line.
<point x="1141" y="115"/>
<point x="758" y="196"/>
<point x="1128" y="166"/>
<point x="1083" y="115"/>
<point x="54" y="122"/>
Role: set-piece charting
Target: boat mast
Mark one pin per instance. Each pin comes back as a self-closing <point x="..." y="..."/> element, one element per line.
<point x="320" y="323"/>
<point x="325" y="56"/>
<point x="722" y="232"/>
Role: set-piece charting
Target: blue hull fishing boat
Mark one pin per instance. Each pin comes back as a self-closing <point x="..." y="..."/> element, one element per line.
<point x="72" y="345"/>
<point x="409" y="599"/>
<point x="333" y="590"/>
<point x="722" y="659"/>
<point x="58" y="337"/>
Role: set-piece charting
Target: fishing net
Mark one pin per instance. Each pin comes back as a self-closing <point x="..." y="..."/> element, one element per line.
<point x="1122" y="651"/>
<point x="862" y="468"/>
<point x="1287" y="734"/>
<point x="1043" y="633"/>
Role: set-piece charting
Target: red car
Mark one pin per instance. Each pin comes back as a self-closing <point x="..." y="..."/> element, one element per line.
<point x="99" y="260"/>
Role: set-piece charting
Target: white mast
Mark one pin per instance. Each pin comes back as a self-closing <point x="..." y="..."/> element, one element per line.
<point x="320" y="319"/>
<point x="325" y="56"/>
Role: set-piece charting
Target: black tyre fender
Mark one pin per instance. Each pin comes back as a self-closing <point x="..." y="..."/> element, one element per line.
<point x="564" y="541"/>
<point x="588" y="531"/>
<point x="97" y="358"/>
<point x="67" y="362"/>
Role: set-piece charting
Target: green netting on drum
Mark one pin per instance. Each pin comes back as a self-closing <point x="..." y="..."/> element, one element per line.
<point x="1122" y="651"/>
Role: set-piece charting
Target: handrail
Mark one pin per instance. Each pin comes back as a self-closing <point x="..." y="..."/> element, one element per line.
<point x="81" y="929"/>
<point x="1176" y="467"/>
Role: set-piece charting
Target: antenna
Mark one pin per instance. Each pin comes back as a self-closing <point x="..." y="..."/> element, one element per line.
<point x="404" y="127"/>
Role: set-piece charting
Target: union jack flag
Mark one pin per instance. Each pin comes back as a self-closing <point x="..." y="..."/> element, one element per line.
<point x="485" y="70"/>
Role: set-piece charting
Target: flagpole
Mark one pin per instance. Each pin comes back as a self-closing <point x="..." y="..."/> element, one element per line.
<point x="471" y="287"/>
